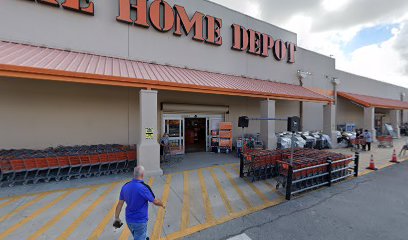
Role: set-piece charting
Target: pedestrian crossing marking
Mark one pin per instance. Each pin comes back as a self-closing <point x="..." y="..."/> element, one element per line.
<point x="237" y="189"/>
<point x="60" y="215"/>
<point x="158" y="226"/>
<point x="103" y="224"/>
<point x="185" y="213"/>
<point x="12" y="200"/>
<point x="86" y="213"/>
<point x="34" y="215"/>
<point x="25" y="206"/>
<point x="222" y="192"/>
<point x="209" y="215"/>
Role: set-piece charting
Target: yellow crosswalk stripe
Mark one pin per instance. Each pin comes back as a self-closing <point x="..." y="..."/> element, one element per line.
<point x="12" y="200"/>
<point x="270" y="185"/>
<point x="222" y="192"/>
<point x="86" y="213"/>
<point x="237" y="189"/>
<point x="126" y="232"/>
<point x="254" y="188"/>
<point x="158" y="226"/>
<point x="104" y="223"/>
<point x="260" y="194"/>
<point x="185" y="213"/>
<point x="34" y="215"/>
<point x="62" y="214"/>
<point x="25" y="206"/>
<point x="209" y="216"/>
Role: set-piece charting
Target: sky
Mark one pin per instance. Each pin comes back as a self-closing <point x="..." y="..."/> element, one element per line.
<point x="367" y="37"/>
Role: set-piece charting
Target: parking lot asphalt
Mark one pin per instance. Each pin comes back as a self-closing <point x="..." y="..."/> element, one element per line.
<point x="374" y="206"/>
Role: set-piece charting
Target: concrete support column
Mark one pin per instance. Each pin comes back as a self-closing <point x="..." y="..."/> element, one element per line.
<point x="395" y="116"/>
<point x="369" y="121"/>
<point x="329" y="123"/>
<point x="148" y="148"/>
<point x="268" y="127"/>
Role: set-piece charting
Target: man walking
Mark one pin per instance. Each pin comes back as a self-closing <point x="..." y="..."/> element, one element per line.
<point x="136" y="194"/>
<point x="368" y="139"/>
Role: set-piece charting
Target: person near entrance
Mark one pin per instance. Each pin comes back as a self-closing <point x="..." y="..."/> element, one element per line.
<point x="368" y="139"/>
<point x="164" y="146"/>
<point x="136" y="194"/>
<point x="404" y="149"/>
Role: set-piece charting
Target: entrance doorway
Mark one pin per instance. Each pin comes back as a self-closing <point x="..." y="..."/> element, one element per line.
<point x="190" y="133"/>
<point x="195" y="134"/>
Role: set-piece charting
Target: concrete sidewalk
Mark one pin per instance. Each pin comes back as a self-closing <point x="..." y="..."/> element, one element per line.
<point x="196" y="200"/>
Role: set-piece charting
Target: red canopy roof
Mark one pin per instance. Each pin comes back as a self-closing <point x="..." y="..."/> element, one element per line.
<point x="26" y="61"/>
<point x="370" y="101"/>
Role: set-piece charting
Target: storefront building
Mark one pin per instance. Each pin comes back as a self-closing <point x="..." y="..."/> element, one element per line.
<point x="114" y="71"/>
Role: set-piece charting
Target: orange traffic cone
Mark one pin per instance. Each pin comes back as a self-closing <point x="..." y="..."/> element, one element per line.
<point x="394" y="157"/>
<point x="372" y="164"/>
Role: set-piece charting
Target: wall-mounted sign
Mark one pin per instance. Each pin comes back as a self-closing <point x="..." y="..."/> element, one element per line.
<point x="149" y="133"/>
<point x="74" y="5"/>
<point x="205" y="28"/>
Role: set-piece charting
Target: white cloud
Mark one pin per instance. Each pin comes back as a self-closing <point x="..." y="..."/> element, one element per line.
<point x="325" y="26"/>
<point x="333" y="6"/>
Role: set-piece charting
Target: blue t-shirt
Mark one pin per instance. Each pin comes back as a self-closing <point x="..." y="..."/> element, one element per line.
<point x="136" y="194"/>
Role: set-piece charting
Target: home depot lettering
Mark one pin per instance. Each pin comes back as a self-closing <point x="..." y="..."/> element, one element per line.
<point x="165" y="18"/>
<point x="203" y="28"/>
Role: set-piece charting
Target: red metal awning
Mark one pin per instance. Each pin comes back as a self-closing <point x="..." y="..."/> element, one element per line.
<point x="33" y="62"/>
<point x="370" y="101"/>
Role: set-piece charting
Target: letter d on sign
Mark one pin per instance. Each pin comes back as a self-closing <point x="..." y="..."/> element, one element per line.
<point x="239" y="38"/>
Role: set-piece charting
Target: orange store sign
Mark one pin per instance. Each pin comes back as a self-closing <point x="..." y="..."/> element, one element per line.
<point x="204" y="28"/>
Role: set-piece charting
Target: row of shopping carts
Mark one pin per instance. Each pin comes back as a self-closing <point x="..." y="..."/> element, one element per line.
<point x="64" y="163"/>
<point x="259" y="164"/>
<point x="303" y="169"/>
<point x="310" y="169"/>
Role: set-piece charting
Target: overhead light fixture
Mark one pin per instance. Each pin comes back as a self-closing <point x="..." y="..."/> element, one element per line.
<point x="303" y="74"/>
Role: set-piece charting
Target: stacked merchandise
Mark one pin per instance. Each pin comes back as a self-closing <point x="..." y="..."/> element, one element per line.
<point x="31" y="166"/>
<point x="214" y="141"/>
<point x="249" y="143"/>
<point x="225" y="137"/>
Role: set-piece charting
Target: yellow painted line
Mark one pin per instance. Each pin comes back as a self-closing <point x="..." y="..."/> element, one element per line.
<point x="126" y="232"/>
<point x="189" y="231"/>
<point x="185" y="212"/>
<point x="34" y="215"/>
<point x="62" y="214"/>
<point x="62" y="190"/>
<point x="86" y="213"/>
<point x="209" y="215"/>
<point x="158" y="226"/>
<point x="222" y="192"/>
<point x="25" y="206"/>
<point x="10" y="201"/>
<point x="105" y="221"/>
<point x="205" y="168"/>
<point x="260" y="194"/>
<point x="237" y="189"/>
<point x="273" y="188"/>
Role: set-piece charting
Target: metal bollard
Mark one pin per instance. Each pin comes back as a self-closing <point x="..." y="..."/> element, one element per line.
<point x="241" y="166"/>
<point x="329" y="169"/>
<point x="356" y="164"/>
<point x="289" y="183"/>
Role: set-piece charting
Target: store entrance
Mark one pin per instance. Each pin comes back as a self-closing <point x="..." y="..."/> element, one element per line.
<point x="195" y="134"/>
